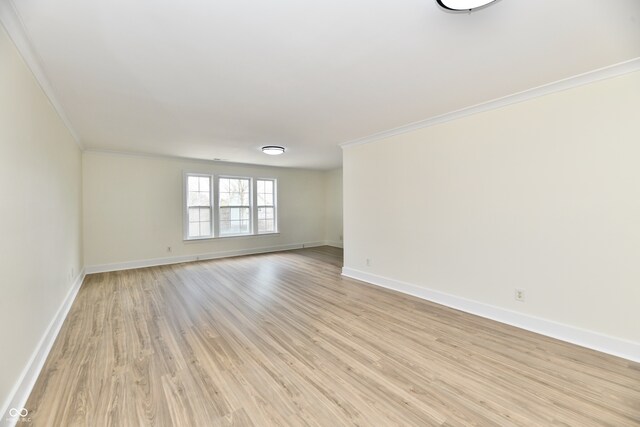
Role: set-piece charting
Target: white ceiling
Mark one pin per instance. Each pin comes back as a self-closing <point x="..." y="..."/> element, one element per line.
<point x="220" y="78"/>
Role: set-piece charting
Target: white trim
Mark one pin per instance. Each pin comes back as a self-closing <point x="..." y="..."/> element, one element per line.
<point x="314" y="244"/>
<point x="225" y="237"/>
<point x="251" y="206"/>
<point x="606" y="344"/>
<point x="254" y="205"/>
<point x="128" y="265"/>
<point x="274" y="206"/>
<point x="335" y="244"/>
<point x="185" y="208"/>
<point x="16" y="30"/>
<point x="214" y="197"/>
<point x="22" y="389"/>
<point x="614" y="70"/>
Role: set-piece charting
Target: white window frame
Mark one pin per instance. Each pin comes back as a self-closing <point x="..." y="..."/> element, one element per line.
<point x="251" y="205"/>
<point x="185" y="198"/>
<point x="214" y="190"/>
<point x="275" y="206"/>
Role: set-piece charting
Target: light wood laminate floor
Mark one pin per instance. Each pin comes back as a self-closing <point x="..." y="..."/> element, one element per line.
<point x="283" y="339"/>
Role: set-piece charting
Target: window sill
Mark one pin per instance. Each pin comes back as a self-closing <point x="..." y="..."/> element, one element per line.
<point x="233" y="236"/>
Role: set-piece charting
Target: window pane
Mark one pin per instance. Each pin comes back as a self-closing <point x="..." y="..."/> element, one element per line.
<point x="194" y="215"/>
<point x="235" y="227"/>
<point x="234" y="192"/>
<point x="198" y="191"/>
<point x="235" y="206"/>
<point x="192" y="183"/>
<point x="235" y="214"/>
<point x="205" y="229"/>
<point x="224" y="185"/>
<point x="237" y="219"/>
<point x="205" y="214"/>
<point x="265" y="213"/>
<point x="265" y="192"/>
<point x="266" y="223"/>
<point x="266" y="201"/>
<point x="268" y="213"/>
<point x="266" y="226"/>
<point x="202" y="198"/>
<point x="225" y="214"/>
<point x="204" y="183"/>
<point x="199" y="210"/>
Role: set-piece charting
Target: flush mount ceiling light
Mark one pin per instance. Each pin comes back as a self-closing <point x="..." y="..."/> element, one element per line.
<point x="272" y="150"/>
<point x="463" y="5"/>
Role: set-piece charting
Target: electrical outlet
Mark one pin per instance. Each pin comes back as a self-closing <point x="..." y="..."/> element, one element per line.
<point x="368" y="262"/>
<point x="341" y="237"/>
<point x="519" y="295"/>
<point x="168" y="248"/>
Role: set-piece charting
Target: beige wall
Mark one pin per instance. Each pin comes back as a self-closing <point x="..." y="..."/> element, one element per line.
<point x="133" y="208"/>
<point x="333" y="207"/>
<point x="40" y="241"/>
<point x="542" y="195"/>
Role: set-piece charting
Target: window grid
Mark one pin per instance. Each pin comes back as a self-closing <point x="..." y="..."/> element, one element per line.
<point x="265" y="189"/>
<point x="234" y="211"/>
<point x="198" y="204"/>
<point x="243" y="206"/>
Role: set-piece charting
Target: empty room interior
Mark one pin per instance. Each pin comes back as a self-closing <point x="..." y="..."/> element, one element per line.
<point x="344" y="213"/>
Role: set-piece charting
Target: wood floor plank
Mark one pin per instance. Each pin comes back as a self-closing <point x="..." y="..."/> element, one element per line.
<point x="283" y="339"/>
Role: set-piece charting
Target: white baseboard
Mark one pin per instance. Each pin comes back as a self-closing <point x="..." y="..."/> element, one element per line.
<point x="335" y="244"/>
<point x="596" y="341"/>
<point x="322" y="243"/>
<point x="128" y="265"/>
<point x="20" y="393"/>
<point x="314" y="244"/>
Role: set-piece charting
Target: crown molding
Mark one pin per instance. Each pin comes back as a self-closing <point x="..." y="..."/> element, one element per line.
<point x="547" y="89"/>
<point x="15" y="28"/>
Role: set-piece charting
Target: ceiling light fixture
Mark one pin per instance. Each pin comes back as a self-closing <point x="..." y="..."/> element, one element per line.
<point x="272" y="150"/>
<point x="463" y="5"/>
